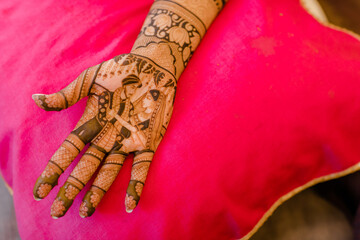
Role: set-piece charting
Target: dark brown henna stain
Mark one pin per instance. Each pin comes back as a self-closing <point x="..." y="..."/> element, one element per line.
<point x="130" y="103"/>
<point x="61" y="159"/>
<point x="52" y="102"/>
<point x="79" y="177"/>
<point x="47" y="180"/>
<point x="70" y="95"/>
<point x="102" y="183"/>
<point x="139" y="172"/>
<point x="91" y="201"/>
<point x="64" y="200"/>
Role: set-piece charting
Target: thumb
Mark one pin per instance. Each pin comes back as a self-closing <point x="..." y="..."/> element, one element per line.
<point x="69" y="95"/>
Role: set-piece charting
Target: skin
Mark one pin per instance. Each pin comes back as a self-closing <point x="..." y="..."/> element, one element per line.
<point x="130" y="102"/>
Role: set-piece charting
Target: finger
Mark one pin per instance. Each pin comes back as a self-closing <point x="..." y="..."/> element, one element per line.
<point x="139" y="172"/>
<point x="78" y="178"/>
<point x="106" y="176"/>
<point x="86" y="129"/>
<point x="71" y="94"/>
<point x="58" y="163"/>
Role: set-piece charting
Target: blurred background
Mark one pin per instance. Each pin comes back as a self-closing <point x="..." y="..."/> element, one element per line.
<point x="327" y="211"/>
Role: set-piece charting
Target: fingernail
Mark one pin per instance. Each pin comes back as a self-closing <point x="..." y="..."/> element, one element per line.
<point x="36" y="198"/>
<point x="35" y="95"/>
<point x="37" y="100"/>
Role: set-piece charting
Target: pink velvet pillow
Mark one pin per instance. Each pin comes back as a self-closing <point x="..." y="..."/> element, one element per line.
<point x="269" y="105"/>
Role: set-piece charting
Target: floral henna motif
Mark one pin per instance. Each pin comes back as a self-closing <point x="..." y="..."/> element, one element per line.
<point x="57" y="208"/>
<point x="181" y="34"/>
<point x="49" y="171"/>
<point x="131" y="98"/>
<point x="95" y="199"/>
<point x="71" y="192"/>
<point x="91" y="200"/>
<point x="162" y="21"/>
<point x="83" y="211"/>
<point x="44" y="190"/>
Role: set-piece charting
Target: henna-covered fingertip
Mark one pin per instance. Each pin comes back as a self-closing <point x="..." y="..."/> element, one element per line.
<point x="84" y="210"/>
<point x="37" y="100"/>
<point x="130" y="203"/>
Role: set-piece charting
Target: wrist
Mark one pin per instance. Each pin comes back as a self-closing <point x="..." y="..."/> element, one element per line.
<point x="160" y="54"/>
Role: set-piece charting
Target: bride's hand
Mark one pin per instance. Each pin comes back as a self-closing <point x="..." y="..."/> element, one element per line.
<point x="121" y="92"/>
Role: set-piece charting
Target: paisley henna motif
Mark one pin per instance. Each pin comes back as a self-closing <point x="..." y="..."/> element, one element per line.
<point x="129" y="106"/>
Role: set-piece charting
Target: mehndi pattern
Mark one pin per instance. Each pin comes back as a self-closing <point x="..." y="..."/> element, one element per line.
<point x="129" y="106"/>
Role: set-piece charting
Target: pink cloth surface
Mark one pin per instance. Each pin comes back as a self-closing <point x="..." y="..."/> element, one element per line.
<point x="269" y="101"/>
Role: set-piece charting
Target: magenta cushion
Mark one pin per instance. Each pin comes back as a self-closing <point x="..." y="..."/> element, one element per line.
<point x="269" y="102"/>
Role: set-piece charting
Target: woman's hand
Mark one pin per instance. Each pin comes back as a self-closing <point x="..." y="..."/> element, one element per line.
<point x="129" y="107"/>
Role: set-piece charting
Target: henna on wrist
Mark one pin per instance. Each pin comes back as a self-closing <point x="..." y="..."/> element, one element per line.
<point x="173" y="29"/>
<point x="129" y="106"/>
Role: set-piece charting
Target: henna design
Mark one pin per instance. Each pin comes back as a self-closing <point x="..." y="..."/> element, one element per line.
<point x="130" y="203"/>
<point x="70" y="95"/>
<point x="58" y="163"/>
<point x="57" y="208"/>
<point x="86" y="166"/>
<point x="50" y="170"/>
<point x="138" y="188"/>
<point x="44" y="190"/>
<point x="173" y="30"/>
<point x="106" y="176"/>
<point x="124" y="114"/>
<point x="130" y="103"/>
<point x="139" y="172"/>
<point x="71" y="192"/>
<point x="206" y="10"/>
<point x="83" y="210"/>
<point x="95" y="199"/>
<point x="102" y="183"/>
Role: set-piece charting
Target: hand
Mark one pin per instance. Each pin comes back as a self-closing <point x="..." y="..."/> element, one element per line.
<point x="129" y="107"/>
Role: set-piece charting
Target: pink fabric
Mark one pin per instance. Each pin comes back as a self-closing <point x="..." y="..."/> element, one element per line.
<point x="269" y="101"/>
